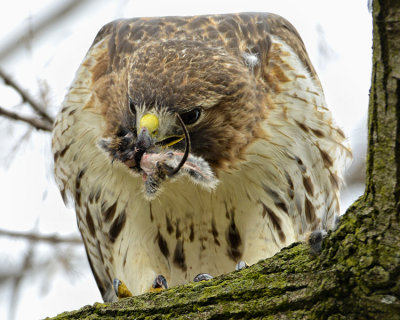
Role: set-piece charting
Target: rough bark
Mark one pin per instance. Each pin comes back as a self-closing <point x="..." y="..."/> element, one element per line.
<point x="357" y="274"/>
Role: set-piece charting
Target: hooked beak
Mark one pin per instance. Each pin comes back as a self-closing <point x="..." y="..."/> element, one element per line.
<point x="130" y="151"/>
<point x="148" y="130"/>
<point x="149" y="127"/>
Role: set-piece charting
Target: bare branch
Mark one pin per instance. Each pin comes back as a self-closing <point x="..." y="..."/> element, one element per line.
<point x="34" y="122"/>
<point x="43" y="23"/>
<point x="37" y="237"/>
<point x="26" y="266"/>
<point x="27" y="98"/>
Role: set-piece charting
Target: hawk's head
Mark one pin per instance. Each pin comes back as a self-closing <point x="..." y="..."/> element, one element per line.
<point x="211" y="91"/>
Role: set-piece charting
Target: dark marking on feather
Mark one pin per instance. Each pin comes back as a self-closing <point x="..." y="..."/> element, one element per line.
<point x="275" y="220"/>
<point x="278" y="201"/>
<point x="89" y="222"/>
<point x="328" y="162"/>
<point x="98" y="279"/>
<point x="125" y="256"/>
<point x="108" y="272"/>
<point x="179" y="255"/>
<point x="308" y="185"/>
<point x="91" y="197"/>
<point x="98" y="193"/>
<point x="63" y="195"/>
<point x="162" y="244"/>
<point x="191" y="235"/>
<point x="151" y="213"/>
<point x="234" y="240"/>
<point x="177" y="230"/>
<point x="309" y="211"/>
<point x="214" y="232"/>
<point x="301" y="165"/>
<point x="291" y="186"/>
<point x="318" y="133"/>
<point x="302" y="126"/>
<point x="99" y="251"/>
<point x="334" y="180"/>
<point x="78" y="186"/>
<point x="117" y="226"/>
<point x="61" y="152"/>
<point x="109" y="213"/>
<point x="70" y="113"/>
<point x="170" y="228"/>
<point x="226" y="211"/>
<point x="341" y="133"/>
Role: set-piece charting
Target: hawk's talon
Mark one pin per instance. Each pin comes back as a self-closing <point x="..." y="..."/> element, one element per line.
<point x="202" y="277"/>
<point x="241" y="265"/>
<point x="315" y="239"/>
<point x="163" y="170"/>
<point x="159" y="284"/>
<point x="120" y="289"/>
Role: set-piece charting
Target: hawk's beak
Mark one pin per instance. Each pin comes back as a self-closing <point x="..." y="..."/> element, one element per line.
<point x="148" y="129"/>
<point x="149" y="124"/>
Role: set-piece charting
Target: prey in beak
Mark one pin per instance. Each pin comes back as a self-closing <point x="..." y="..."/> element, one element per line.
<point x="156" y="160"/>
<point x="149" y="123"/>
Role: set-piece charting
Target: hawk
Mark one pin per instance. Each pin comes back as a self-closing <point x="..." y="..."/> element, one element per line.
<point x="189" y="145"/>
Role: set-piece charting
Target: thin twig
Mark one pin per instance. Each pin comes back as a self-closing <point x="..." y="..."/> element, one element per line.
<point x="34" y="122"/>
<point x="38" y="237"/>
<point x="43" y="22"/>
<point x="26" y="266"/>
<point x="26" y="97"/>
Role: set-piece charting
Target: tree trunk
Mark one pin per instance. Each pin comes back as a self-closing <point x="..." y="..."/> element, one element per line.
<point x="357" y="274"/>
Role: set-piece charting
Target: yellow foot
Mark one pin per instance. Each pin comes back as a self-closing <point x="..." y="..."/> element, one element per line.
<point x="159" y="284"/>
<point x="121" y="290"/>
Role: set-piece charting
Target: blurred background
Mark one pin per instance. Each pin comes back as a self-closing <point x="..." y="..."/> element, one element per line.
<point x="43" y="266"/>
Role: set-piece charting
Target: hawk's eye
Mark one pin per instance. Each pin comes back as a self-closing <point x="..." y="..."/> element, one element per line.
<point x="131" y="106"/>
<point x="191" y="116"/>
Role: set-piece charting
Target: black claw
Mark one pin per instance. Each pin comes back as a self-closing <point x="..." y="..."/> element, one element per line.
<point x="187" y="147"/>
<point x="116" y="283"/>
<point x="315" y="241"/>
<point x="337" y="222"/>
<point x="202" y="277"/>
<point x="160" y="282"/>
<point x="241" y="265"/>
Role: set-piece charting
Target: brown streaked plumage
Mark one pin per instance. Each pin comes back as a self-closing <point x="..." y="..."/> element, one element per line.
<point x="265" y="161"/>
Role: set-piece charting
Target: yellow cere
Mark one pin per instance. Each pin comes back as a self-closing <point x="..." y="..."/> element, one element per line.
<point x="149" y="121"/>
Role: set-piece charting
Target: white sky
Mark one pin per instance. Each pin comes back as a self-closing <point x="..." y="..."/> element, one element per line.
<point x="27" y="190"/>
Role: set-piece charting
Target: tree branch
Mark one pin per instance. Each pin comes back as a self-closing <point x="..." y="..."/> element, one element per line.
<point x="37" y="237"/>
<point x="34" y="122"/>
<point x="27" y="98"/>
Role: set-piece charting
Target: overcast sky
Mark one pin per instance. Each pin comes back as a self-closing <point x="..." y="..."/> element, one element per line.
<point x="28" y="194"/>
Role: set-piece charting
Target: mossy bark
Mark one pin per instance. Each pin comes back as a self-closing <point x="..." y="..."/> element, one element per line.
<point x="357" y="274"/>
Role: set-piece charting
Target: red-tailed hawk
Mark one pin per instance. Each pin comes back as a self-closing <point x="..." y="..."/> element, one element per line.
<point x="190" y="144"/>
